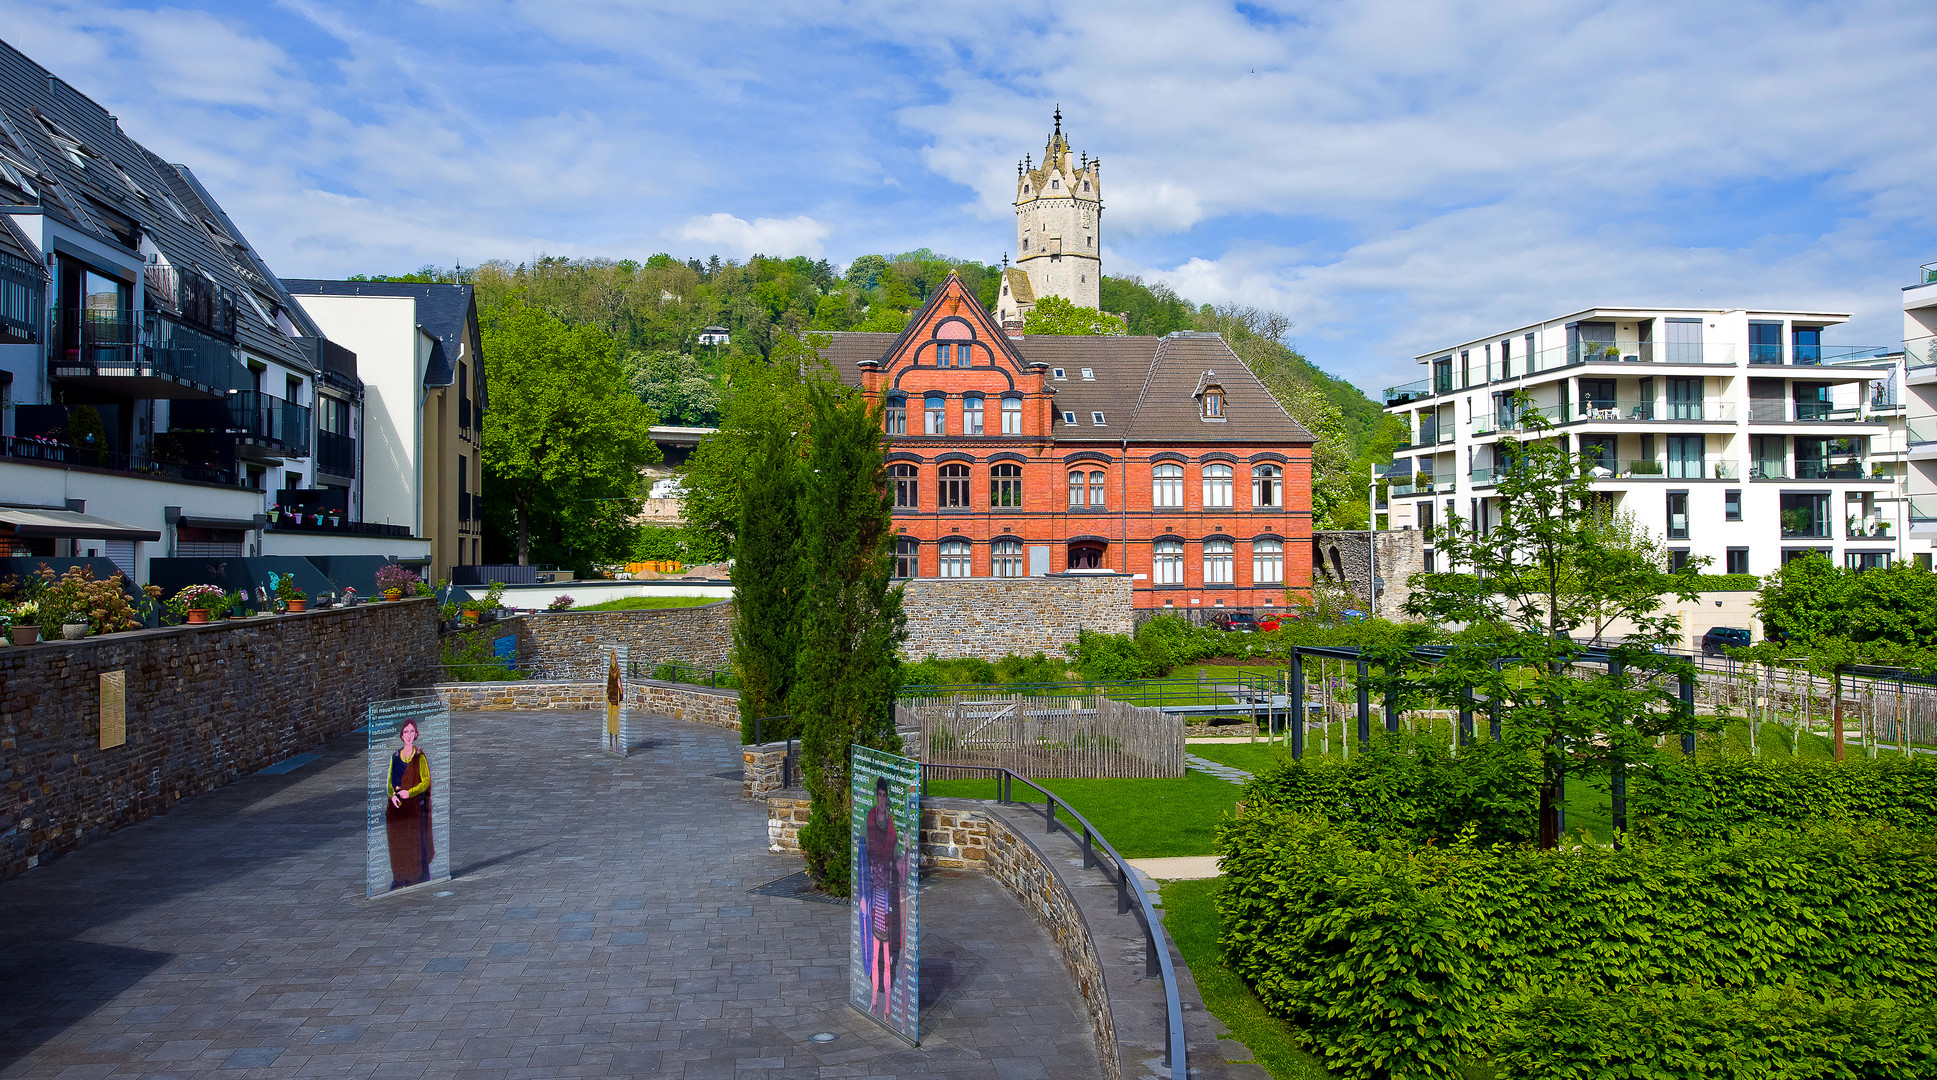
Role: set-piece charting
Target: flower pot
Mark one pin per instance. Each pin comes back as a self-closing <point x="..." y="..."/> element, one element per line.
<point x="470" y="618"/>
<point x="26" y="635"/>
<point x="197" y="616"/>
<point x="393" y="594"/>
<point x="74" y="631"/>
<point x="298" y="605"/>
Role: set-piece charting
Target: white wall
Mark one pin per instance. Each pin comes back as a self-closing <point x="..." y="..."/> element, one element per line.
<point x="296" y="543"/>
<point x="129" y="500"/>
<point x="382" y="331"/>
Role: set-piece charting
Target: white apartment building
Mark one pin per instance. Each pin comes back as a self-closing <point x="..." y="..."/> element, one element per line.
<point x="1920" y="403"/>
<point x="1739" y="436"/>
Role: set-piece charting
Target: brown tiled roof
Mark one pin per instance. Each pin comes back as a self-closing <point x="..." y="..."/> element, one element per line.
<point x="1019" y="286"/>
<point x="1144" y="386"/>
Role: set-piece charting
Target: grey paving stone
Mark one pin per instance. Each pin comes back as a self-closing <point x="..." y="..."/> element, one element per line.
<point x="600" y="922"/>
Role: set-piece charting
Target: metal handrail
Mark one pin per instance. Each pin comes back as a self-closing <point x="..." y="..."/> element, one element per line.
<point x="1156" y="942"/>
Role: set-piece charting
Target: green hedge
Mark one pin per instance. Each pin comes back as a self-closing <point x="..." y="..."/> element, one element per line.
<point x="1675" y="1033"/>
<point x="1727" y="582"/>
<point x="1413" y="788"/>
<point x="1402" y="960"/>
<point x="1709" y="797"/>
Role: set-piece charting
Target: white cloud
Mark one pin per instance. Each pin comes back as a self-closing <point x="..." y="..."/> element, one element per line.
<point x="762" y="236"/>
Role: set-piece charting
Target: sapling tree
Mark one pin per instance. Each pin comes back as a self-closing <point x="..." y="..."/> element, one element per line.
<point x="1522" y="589"/>
<point x="766" y="579"/>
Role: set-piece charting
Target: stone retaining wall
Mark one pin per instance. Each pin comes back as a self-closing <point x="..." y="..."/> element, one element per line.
<point x="992" y="617"/>
<point x="566" y="641"/>
<point x="202" y="705"/>
<point x="760" y="768"/>
<point x="957" y="834"/>
<point x="698" y="704"/>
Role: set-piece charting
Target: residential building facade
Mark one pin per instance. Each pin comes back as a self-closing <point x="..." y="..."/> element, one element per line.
<point x="418" y="348"/>
<point x="155" y="378"/>
<point x="1920" y="406"/>
<point x="1163" y="459"/>
<point x="1738" y="436"/>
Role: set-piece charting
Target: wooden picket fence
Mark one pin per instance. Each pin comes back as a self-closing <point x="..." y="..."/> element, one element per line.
<point x="1043" y="737"/>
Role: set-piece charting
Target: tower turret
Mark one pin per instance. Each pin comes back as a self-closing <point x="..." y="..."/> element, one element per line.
<point x="1059" y="212"/>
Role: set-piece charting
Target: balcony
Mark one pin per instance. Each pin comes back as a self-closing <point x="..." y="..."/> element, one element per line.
<point x="1927" y="274"/>
<point x="1412" y="391"/>
<point x="1515" y="419"/>
<point x="1871" y="527"/>
<point x="321" y="523"/>
<point x="22" y="299"/>
<point x="1609" y="352"/>
<point x="265" y="426"/>
<point x="1922" y="511"/>
<point x="118" y="352"/>
<point x="1920" y="353"/>
<point x="45" y="450"/>
<point x="464" y="418"/>
<point x="1424" y="484"/>
<point x="1820" y="469"/>
<point x="1805" y="517"/>
<point x="1596" y="410"/>
<point x="336" y="454"/>
<point x="1655" y="469"/>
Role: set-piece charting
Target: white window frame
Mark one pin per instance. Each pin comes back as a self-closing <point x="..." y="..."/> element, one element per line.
<point x="934" y="418"/>
<point x="972" y="414"/>
<point x="1012" y="416"/>
<point x="1218" y="559"/>
<point x="1267" y="562"/>
<point x="1267" y="486"/>
<point x="1167" y="485"/>
<point x="1167" y="562"/>
<point x="1006" y="558"/>
<point x="958" y="558"/>
<point x="1217" y="486"/>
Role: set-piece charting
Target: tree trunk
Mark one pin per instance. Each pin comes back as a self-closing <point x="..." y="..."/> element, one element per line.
<point x="1549" y="815"/>
<point x="524" y="525"/>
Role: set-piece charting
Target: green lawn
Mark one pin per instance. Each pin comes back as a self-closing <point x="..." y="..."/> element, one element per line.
<point x="1141" y="818"/>
<point x="1192" y="922"/>
<point x="637" y="603"/>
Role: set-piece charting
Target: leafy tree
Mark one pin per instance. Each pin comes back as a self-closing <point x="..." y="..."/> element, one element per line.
<point x="675" y="386"/>
<point x="763" y="397"/>
<point x="767" y="579"/>
<point x="863" y="272"/>
<point x="1150" y="310"/>
<point x="1527" y="584"/>
<point x="1057" y="315"/>
<point x="561" y="420"/>
<point x="850" y="617"/>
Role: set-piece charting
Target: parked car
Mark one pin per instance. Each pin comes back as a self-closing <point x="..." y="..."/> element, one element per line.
<point x="1239" y="621"/>
<point x="1720" y="637"/>
<point x="1270" y="623"/>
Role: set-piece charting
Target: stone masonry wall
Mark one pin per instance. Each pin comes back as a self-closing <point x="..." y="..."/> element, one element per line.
<point x="956" y="834"/>
<point x="204" y="705"/>
<point x="1341" y="557"/>
<point x="700" y="705"/>
<point x="563" y="643"/>
<point x="991" y="617"/>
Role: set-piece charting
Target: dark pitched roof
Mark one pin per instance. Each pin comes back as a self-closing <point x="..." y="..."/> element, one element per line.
<point x="90" y="176"/>
<point x="1145" y="387"/>
<point x="447" y="312"/>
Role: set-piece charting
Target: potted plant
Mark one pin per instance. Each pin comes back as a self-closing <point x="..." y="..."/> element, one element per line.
<point x="350" y="598"/>
<point x="235" y="605"/>
<point x="560" y="603"/>
<point x="393" y="580"/>
<point x="197" y="604"/>
<point x="292" y="594"/>
<point x="26" y="623"/>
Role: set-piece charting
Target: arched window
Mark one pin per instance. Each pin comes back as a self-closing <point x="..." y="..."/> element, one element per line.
<point x="907" y="557"/>
<point x="1007" y="558"/>
<point x="1076" y="490"/>
<point x="955" y="488"/>
<point x="1217" y="562"/>
<point x="1086" y="556"/>
<point x="1267" y="486"/>
<point x="972" y="414"/>
<point x="1005" y="486"/>
<point x="1169" y="568"/>
<point x="955" y="558"/>
<point x="935" y="415"/>
<point x="907" y="484"/>
<point x="1167" y="485"/>
<point x="1012" y="416"/>
<point x="897" y="422"/>
<point x="1267" y="562"/>
<point x="1096" y="491"/>
<point x="1217" y="486"/>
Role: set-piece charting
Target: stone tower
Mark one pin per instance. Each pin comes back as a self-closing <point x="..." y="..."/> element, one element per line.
<point x="1059" y="210"/>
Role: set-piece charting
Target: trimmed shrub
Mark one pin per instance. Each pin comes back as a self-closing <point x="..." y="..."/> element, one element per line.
<point x="1413" y="789"/>
<point x="1710" y="797"/>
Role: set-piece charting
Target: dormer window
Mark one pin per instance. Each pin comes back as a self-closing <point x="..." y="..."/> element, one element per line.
<point x="1056" y="373"/>
<point x="1069" y="418"/>
<point x="1213" y="403"/>
<point x="1096" y="418"/>
<point x="1089" y="373"/>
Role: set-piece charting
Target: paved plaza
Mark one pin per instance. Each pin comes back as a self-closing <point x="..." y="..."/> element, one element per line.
<point x="599" y="923"/>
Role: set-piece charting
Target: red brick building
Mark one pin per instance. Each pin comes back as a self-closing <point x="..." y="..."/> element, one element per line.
<point x="1161" y="458"/>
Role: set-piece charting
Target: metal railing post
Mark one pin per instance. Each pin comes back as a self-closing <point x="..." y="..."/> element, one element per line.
<point x="1688" y="710"/>
<point x="1365" y="707"/>
<point x="1295" y="706"/>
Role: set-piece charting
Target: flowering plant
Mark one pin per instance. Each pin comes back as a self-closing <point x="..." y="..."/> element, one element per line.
<point x="560" y="603"/>
<point x="209" y="598"/>
<point x="287" y="589"/>
<point x="397" y="577"/>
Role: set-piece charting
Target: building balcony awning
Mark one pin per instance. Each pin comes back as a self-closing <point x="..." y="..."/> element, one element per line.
<point x="69" y="524"/>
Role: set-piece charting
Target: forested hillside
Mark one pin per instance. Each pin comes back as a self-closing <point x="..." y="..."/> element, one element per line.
<point x="652" y="313"/>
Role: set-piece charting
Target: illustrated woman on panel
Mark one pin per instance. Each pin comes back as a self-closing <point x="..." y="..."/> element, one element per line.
<point x="881" y="899"/>
<point x="406" y="820"/>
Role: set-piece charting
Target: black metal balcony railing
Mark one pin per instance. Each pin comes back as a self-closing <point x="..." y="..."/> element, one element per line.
<point x="93" y="342"/>
<point x="249" y="414"/>
<point x="21" y="301"/>
<point x="322" y="523"/>
<point x="464" y="416"/>
<point x="1817" y="469"/>
<point x="52" y="451"/>
<point x="335" y="453"/>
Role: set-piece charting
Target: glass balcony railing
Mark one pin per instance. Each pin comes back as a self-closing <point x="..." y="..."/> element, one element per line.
<point x="1920" y="353"/>
<point x="1412" y="391"/>
<point x="251" y="414"/>
<point x="1610" y="409"/>
<point x="1927" y="274"/>
<point x="1487" y="423"/>
<point x="1819" y="469"/>
<point x="48" y="450"/>
<point x="1922" y="509"/>
<point x="1869" y="527"/>
<point x="336" y="453"/>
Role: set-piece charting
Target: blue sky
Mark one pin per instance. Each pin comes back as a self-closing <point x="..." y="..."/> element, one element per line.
<point x="1394" y="176"/>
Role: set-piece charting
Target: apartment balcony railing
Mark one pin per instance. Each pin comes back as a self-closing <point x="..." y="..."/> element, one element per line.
<point x="1815" y="412"/>
<point x="22" y="298"/>
<point x="464" y="506"/>
<point x="50" y="451"/>
<point x="1598" y="352"/>
<point x="336" y="453"/>
<point x="1657" y="469"/>
<point x="322" y="523"/>
<point x="1920" y="353"/>
<point x="1818" y="469"/>
<point x="157" y="357"/>
<point x="1486" y="423"/>
<point x="255" y="417"/>
<point x="1412" y="391"/>
<point x="1607" y="409"/>
<point x="1869" y="528"/>
<point x="1921" y="510"/>
<point x="1922" y="433"/>
<point x="1927" y="274"/>
<point x="1431" y="485"/>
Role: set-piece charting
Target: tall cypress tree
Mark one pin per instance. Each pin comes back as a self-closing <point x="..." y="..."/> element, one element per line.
<point x="851" y="623"/>
<point x="766" y="598"/>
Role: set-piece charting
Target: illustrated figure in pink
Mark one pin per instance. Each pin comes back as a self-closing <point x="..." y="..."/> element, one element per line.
<point x="883" y="875"/>
<point x="406" y="821"/>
